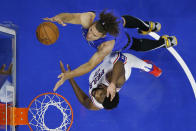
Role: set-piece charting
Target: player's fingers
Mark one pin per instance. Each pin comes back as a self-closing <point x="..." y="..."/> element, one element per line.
<point x="62" y="67"/>
<point x="49" y="19"/>
<point x="108" y="93"/>
<point x="61" y="22"/>
<point x="56" y="87"/>
<point x="55" y="19"/>
<point x="3" y="67"/>
<point x="58" y="84"/>
<point x="68" y="67"/>
<point x="61" y="81"/>
<point x="45" y="18"/>
<point x="112" y="96"/>
<point x="59" y="76"/>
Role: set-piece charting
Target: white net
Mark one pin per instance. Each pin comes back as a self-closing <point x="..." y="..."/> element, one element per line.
<point x="39" y="107"/>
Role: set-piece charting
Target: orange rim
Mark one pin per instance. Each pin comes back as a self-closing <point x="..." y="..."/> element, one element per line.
<point x="57" y="95"/>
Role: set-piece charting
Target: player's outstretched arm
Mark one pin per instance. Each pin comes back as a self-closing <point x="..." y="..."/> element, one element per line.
<point x="84" y="19"/>
<point x="97" y="58"/>
<point x="82" y="97"/>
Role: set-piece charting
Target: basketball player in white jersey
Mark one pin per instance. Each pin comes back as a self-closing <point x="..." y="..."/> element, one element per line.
<point x="116" y="68"/>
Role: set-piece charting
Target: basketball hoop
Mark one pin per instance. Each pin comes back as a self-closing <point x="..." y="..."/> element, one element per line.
<point x="34" y="115"/>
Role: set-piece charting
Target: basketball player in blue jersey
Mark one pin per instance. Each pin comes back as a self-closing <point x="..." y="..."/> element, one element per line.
<point x="105" y="31"/>
<point x="115" y="68"/>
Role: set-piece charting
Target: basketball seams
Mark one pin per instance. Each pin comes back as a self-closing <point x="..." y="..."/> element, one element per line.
<point x="47" y="33"/>
<point x="56" y="31"/>
<point x="41" y="34"/>
<point x="43" y="26"/>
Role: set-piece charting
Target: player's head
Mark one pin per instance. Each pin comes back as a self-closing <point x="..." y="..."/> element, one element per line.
<point x="100" y="94"/>
<point x="106" y="24"/>
<point x="108" y="105"/>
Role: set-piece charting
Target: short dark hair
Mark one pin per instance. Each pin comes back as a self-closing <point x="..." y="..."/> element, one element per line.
<point x="107" y="23"/>
<point x="108" y="105"/>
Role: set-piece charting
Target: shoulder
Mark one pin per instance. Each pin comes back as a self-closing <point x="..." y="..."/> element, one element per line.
<point x="87" y="19"/>
<point x="107" y="46"/>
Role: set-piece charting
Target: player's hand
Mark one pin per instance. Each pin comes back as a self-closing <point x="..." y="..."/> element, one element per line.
<point x="6" y="72"/>
<point x="55" y="19"/>
<point x="59" y="83"/>
<point x="68" y="67"/>
<point x="111" y="90"/>
<point x="62" y="76"/>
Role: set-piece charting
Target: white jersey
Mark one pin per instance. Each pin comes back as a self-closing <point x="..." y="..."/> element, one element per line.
<point x="98" y="76"/>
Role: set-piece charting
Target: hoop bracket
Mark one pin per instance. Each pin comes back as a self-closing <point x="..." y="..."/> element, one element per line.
<point x="15" y="116"/>
<point x="22" y="116"/>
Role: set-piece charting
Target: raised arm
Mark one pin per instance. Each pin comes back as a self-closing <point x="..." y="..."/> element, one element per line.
<point x="84" y="19"/>
<point x="82" y="97"/>
<point x="97" y="58"/>
<point x="104" y="49"/>
<point x="117" y="72"/>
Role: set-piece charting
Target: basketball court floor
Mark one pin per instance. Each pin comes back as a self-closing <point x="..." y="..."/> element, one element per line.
<point x="146" y="103"/>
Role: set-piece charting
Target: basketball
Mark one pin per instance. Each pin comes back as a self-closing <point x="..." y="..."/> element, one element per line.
<point x="47" y="33"/>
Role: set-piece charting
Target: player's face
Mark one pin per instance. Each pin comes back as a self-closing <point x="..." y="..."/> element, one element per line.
<point x="93" y="33"/>
<point x="100" y="93"/>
